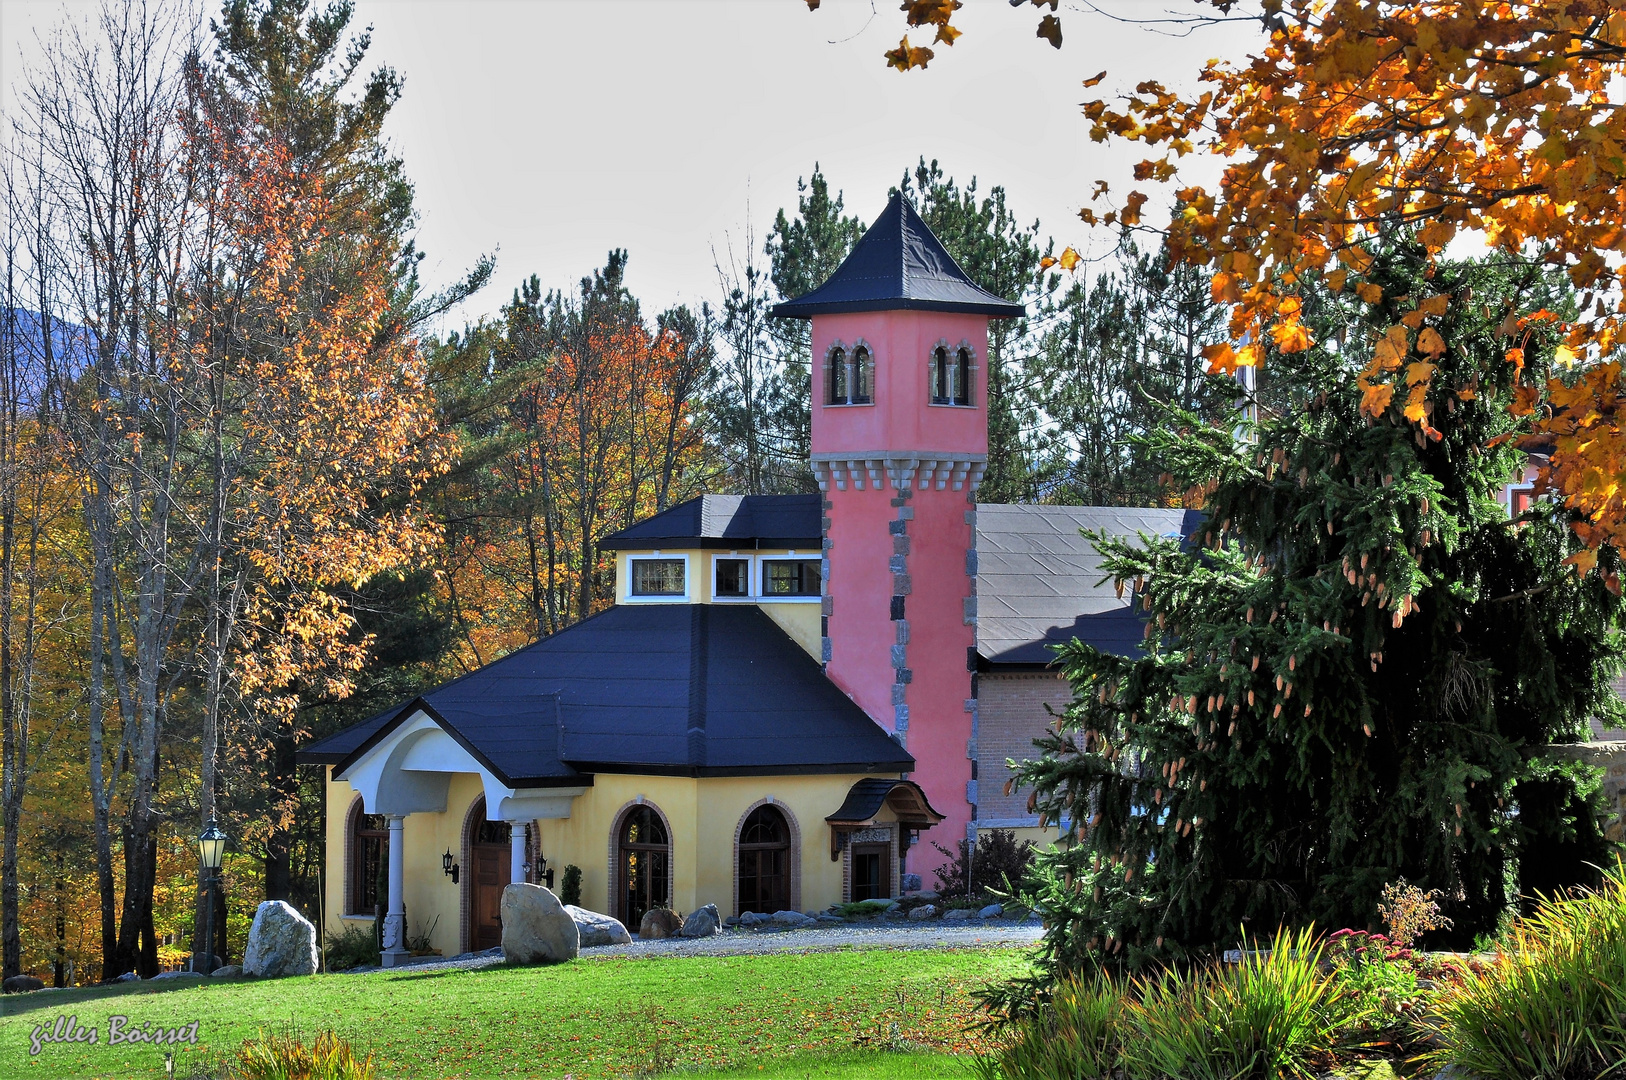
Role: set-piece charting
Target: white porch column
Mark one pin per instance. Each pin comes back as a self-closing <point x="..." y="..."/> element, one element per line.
<point x="516" y="851"/>
<point x="394" y="951"/>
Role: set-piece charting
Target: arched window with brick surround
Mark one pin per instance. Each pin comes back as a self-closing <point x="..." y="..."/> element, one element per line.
<point x="366" y="869"/>
<point x="767" y="859"/>
<point x="764" y="861"/>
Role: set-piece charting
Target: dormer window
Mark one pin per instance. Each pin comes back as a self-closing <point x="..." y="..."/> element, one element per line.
<point x="850" y="377"/>
<point x="790" y="577"/>
<point x="658" y="577"/>
<point x="951" y="376"/>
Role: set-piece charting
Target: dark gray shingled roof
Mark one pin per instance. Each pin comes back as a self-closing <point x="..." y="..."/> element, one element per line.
<point x="899" y="265"/>
<point x="726" y="522"/>
<point x="680" y="689"/>
<point x="1039" y="581"/>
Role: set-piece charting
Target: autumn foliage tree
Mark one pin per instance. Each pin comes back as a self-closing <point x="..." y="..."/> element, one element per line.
<point x="1491" y="121"/>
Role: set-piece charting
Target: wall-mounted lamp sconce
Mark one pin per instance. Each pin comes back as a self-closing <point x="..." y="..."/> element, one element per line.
<point x="448" y="867"/>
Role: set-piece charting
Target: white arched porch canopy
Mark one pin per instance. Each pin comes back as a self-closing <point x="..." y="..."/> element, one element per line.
<point x="409" y="771"/>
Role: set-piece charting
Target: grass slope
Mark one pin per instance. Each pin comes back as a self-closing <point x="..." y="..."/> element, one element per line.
<point x="592" y="1018"/>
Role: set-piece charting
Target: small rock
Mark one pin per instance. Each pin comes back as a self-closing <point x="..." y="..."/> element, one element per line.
<point x="992" y="911"/>
<point x="830" y="919"/>
<point x="658" y="923"/>
<point x="928" y="894"/>
<point x="910" y="883"/>
<point x="128" y="976"/>
<point x="595" y="929"/>
<point x="281" y="942"/>
<point x="732" y="920"/>
<point x="178" y="975"/>
<point x="22" y="984"/>
<point x="924" y="911"/>
<point x="702" y="922"/>
<point x="230" y="971"/>
<point x="893" y="906"/>
<point x="791" y="918"/>
<point x="536" y="928"/>
<point x="755" y="918"/>
<point x="959" y="914"/>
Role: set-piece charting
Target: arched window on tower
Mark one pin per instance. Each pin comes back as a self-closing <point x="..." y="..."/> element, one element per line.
<point x="863" y="376"/>
<point x="835" y="385"/>
<point x="951" y="376"/>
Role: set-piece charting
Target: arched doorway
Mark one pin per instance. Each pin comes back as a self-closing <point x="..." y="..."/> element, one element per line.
<point x="764" y="867"/>
<point x="643" y="865"/>
<point x="489" y="864"/>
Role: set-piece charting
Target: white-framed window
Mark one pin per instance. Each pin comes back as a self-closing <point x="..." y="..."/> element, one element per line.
<point x="1519" y="498"/>
<point x="732" y="576"/>
<point x="657" y="578"/>
<point x="790" y="578"/>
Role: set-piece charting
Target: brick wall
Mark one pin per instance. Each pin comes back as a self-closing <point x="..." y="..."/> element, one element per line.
<point x="1010" y="715"/>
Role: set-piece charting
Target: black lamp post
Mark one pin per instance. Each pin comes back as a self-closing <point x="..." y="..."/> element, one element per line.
<point x="211" y="850"/>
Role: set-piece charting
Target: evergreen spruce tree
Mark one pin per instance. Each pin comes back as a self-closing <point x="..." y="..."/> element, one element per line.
<point x="1352" y="663"/>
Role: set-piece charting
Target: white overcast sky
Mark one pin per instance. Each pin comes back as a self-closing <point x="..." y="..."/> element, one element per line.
<point x="551" y="131"/>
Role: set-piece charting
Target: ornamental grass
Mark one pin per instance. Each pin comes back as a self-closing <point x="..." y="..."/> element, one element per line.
<point x="1552" y="1004"/>
<point x="1075" y="1036"/>
<point x="288" y="1057"/>
<point x="1277" y="1013"/>
<point x="1280" y="1012"/>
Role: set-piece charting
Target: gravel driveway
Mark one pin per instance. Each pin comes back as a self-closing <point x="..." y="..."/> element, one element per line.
<point x="994" y="933"/>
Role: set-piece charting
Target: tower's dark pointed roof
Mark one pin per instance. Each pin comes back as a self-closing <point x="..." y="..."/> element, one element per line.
<point x="899" y="265"/>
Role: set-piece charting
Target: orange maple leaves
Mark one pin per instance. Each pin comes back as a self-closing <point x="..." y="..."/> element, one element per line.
<point x="1449" y="118"/>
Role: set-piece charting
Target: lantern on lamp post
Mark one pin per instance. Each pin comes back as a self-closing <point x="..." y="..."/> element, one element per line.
<point x="211" y="852"/>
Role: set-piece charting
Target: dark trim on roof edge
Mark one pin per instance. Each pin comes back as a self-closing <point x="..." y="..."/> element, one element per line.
<point x="1013" y="667"/>
<point x="793" y="309"/>
<point x="711" y="543"/>
<point x="704" y="771"/>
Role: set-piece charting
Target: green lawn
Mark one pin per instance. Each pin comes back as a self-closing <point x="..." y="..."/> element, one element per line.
<point x="786" y="1015"/>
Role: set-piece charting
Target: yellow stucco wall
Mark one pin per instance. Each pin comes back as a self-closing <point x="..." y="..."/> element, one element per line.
<point x="427" y="891"/>
<point x="798" y="618"/>
<point x="704" y="816"/>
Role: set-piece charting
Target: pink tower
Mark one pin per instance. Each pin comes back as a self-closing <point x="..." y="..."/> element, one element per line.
<point x="900" y="442"/>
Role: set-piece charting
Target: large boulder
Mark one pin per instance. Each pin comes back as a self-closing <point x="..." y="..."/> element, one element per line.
<point x="702" y="922"/>
<point x="791" y="919"/>
<point x="22" y="984"/>
<point x="659" y="923"/>
<point x="281" y="941"/>
<point x="536" y="928"/>
<point x="595" y="929"/>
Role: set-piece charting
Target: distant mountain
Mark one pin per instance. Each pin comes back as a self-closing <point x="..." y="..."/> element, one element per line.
<point x="72" y="349"/>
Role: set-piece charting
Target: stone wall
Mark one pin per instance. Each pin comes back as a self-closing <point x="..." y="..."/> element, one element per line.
<point x="1611" y="758"/>
<point x="1011" y="713"/>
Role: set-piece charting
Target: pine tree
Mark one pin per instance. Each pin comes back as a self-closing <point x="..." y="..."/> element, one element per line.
<point x="1350" y="665"/>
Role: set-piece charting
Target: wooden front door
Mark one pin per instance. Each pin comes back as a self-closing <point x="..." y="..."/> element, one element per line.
<point x="872" y="871"/>
<point x="491" y="864"/>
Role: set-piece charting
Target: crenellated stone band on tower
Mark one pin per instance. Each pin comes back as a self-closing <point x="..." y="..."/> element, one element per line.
<point x="899" y="446"/>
